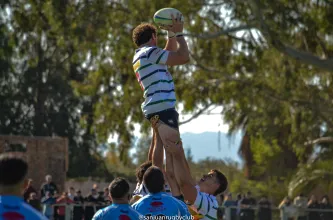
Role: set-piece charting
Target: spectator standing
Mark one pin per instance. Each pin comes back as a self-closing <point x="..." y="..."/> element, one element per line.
<point x="78" y="211"/>
<point x="47" y="202"/>
<point x="264" y="209"/>
<point x="313" y="204"/>
<point x="91" y="202"/>
<point x="28" y="190"/>
<point x="287" y="209"/>
<point x="229" y="202"/>
<point x="48" y="186"/>
<point x="71" y="193"/>
<point x="55" y="208"/>
<point x="34" y="201"/>
<point x="300" y="203"/>
<point x="62" y="209"/>
<point x="106" y="195"/>
<point x="238" y="203"/>
<point x="325" y="204"/>
<point x="101" y="203"/>
<point x="247" y="211"/>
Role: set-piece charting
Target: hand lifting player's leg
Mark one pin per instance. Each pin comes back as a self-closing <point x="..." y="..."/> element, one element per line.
<point x="165" y="132"/>
<point x="158" y="161"/>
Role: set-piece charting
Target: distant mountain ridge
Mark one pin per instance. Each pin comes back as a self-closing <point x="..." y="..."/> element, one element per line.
<point x="205" y="145"/>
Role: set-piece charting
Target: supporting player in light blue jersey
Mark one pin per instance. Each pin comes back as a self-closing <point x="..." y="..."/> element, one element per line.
<point x="157" y="204"/>
<point x="120" y="208"/>
<point x="13" y="171"/>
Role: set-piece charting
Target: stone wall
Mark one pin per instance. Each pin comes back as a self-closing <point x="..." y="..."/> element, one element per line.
<point x="45" y="155"/>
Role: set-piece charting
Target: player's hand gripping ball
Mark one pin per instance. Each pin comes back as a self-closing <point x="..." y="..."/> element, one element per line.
<point x="163" y="17"/>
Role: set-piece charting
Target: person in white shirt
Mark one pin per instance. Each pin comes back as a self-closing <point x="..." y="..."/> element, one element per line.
<point x="71" y="193"/>
<point x="203" y="194"/>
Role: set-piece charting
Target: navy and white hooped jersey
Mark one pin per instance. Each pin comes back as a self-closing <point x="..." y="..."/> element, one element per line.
<point x="14" y="208"/>
<point x="160" y="205"/>
<point x="117" y="212"/>
<point x="149" y="64"/>
<point x="206" y="205"/>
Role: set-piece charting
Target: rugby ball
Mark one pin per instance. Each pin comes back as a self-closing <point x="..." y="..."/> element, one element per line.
<point x="163" y="16"/>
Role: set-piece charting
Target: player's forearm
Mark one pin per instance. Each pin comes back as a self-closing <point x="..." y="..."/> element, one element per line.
<point x="170" y="174"/>
<point x="151" y="148"/>
<point x="171" y="44"/>
<point x="158" y="152"/>
<point x="182" y="175"/>
<point x="183" y="48"/>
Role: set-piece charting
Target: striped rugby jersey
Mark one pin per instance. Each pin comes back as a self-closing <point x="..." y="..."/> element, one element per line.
<point x="206" y="205"/>
<point x="142" y="191"/>
<point x="155" y="80"/>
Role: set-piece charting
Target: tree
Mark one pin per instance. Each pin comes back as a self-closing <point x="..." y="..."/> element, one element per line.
<point x="142" y="149"/>
<point x="41" y="57"/>
<point x="65" y="70"/>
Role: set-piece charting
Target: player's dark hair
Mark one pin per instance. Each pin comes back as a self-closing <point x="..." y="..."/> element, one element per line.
<point x="143" y="33"/>
<point x="118" y="188"/>
<point x="12" y="170"/>
<point x="153" y="179"/>
<point x="140" y="171"/>
<point x="222" y="181"/>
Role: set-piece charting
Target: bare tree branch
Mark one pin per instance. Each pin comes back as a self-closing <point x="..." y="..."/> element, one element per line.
<point x="321" y="140"/>
<point x="195" y="115"/>
<point x="305" y="57"/>
<point x="208" y="36"/>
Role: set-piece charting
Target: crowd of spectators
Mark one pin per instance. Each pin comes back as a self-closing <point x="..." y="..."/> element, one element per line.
<point x="49" y="200"/>
<point x="246" y="207"/>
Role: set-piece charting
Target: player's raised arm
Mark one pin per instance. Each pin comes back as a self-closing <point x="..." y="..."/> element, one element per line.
<point x="170" y="175"/>
<point x="181" y="55"/>
<point x="152" y="146"/>
<point x="171" y="44"/>
<point x="183" y="177"/>
<point x="158" y="153"/>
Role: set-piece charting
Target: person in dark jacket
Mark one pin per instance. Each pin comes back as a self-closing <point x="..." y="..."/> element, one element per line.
<point x="325" y="204"/>
<point x="248" y="204"/>
<point x="78" y="211"/>
<point x="48" y="186"/>
<point x="313" y="204"/>
<point x="91" y="202"/>
<point x="34" y="201"/>
<point x="28" y="190"/>
<point x="264" y="211"/>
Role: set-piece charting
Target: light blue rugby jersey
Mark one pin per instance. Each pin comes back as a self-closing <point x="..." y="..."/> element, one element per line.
<point x="154" y="78"/>
<point x="117" y="212"/>
<point x="14" y="208"/>
<point x="161" y="204"/>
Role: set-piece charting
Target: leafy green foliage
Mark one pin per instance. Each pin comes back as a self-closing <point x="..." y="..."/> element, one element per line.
<point x="65" y="69"/>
